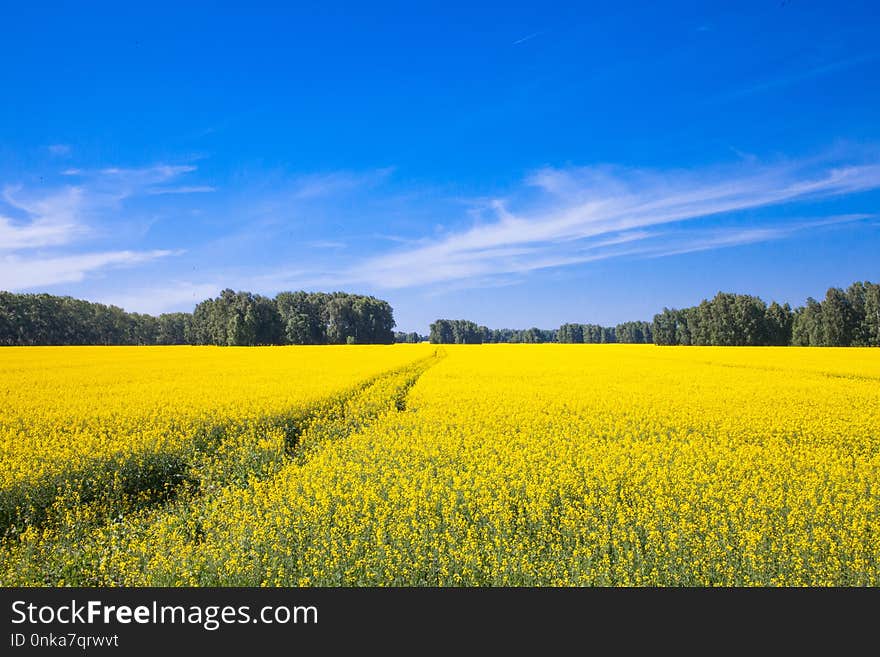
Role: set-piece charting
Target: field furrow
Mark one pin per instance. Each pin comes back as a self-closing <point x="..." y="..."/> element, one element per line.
<point x="517" y="465"/>
<point x="130" y="427"/>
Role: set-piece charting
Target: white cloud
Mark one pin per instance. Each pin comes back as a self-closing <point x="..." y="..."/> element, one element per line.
<point x="170" y="296"/>
<point x="115" y="184"/>
<point x="52" y="219"/>
<point x="42" y="239"/>
<point x="528" y="37"/>
<point x="325" y="244"/>
<point x="68" y="213"/>
<point x="586" y="214"/>
<point x="796" y="77"/>
<point x="191" y="189"/>
<point x="19" y="273"/>
<point x="155" y="173"/>
<point x="337" y="182"/>
<point x="59" y="150"/>
<point x="38" y="233"/>
<point x="678" y="244"/>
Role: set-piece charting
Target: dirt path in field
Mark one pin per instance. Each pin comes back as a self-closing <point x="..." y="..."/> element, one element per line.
<point x="210" y="462"/>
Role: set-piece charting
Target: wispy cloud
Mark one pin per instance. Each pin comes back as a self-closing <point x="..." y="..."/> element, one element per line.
<point x="51" y="219"/>
<point x="68" y="213"/>
<point x="528" y="37"/>
<point x="59" y="150"/>
<point x="678" y="244"/>
<point x="337" y="182"/>
<point x="325" y="244"/>
<point x="165" y="297"/>
<point x="191" y="189"/>
<point x="795" y="77"/>
<point x="151" y="173"/>
<point x="44" y="238"/>
<point x="118" y="183"/>
<point x="25" y="273"/>
<point x="588" y="214"/>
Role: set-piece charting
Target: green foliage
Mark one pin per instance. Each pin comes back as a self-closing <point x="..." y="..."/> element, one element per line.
<point x="595" y="334"/>
<point x="456" y="331"/>
<point x="242" y="318"/>
<point x="232" y="319"/>
<point x="409" y="338"/>
<point x="634" y="333"/>
<point x="462" y="331"/>
<point x="301" y="316"/>
<point x="726" y="320"/>
<point x="44" y="319"/>
<point x="237" y="319"/>
<point x="842" y="319"/>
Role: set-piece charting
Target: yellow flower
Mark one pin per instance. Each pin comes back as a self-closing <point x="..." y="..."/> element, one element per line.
<point x="494" y="465"/>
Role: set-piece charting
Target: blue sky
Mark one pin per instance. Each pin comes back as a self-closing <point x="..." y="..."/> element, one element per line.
<point x="514" y="164"/>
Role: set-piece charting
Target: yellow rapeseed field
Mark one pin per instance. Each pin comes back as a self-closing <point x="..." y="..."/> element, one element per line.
<point x="87" y="420"/>
<point x="494" y="465"/>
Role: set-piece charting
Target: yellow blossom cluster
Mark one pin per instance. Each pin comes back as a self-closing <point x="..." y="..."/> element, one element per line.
<point x="532" y="465"/>
<point x="87" y="421"/>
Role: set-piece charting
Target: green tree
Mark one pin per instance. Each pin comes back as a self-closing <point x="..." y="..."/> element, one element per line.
<point x="440" y="332"/>
<point x="301" y="317"/>
<point x="871" y="322"/>
<point x="779" y="321"/>
<point x="808" y="329"/>
<point x="665" y="327"/>
<point x="838" y="319"/>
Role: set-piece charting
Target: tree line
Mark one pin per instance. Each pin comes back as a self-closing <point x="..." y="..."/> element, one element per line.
<point x="848" y="317"/>
<point x="462" y="331"/>
<point x="627" y="332"/>
<point x="43" y="319"/>
<point x="843" y="318"/>
<point x="409" y="338"/>
<point x="726" y="320"/>
<point x="231" y="319"/>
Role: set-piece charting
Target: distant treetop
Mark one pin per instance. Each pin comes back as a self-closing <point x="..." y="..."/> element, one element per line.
<point x="843" y="318"/>
<point x="233" y="318"/>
